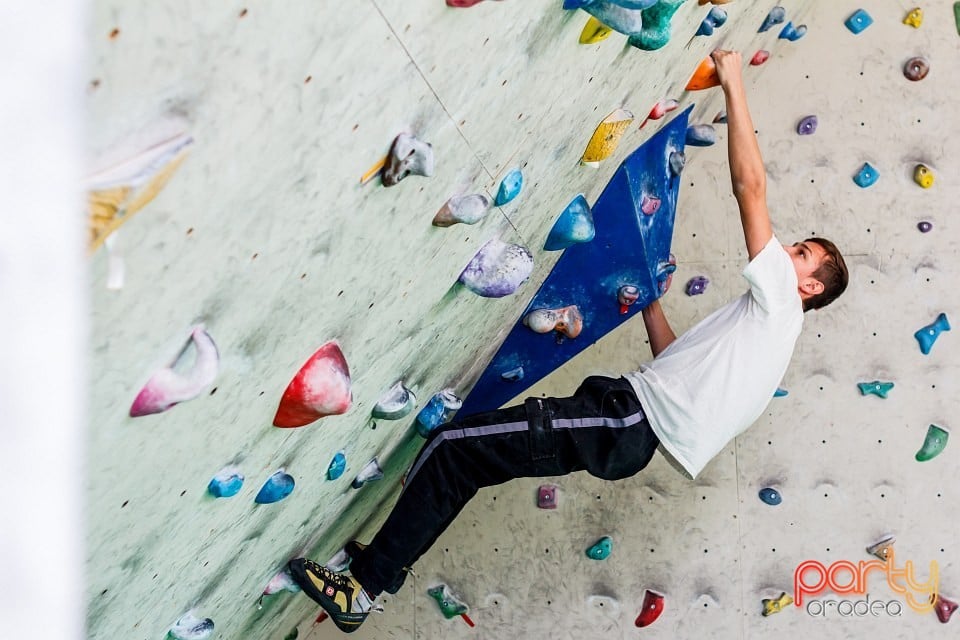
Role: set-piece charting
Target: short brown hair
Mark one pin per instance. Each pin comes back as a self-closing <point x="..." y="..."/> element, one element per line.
<point x="832" y="272"/>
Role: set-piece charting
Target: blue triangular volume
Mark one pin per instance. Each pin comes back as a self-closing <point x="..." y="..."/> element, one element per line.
<point x="629" y="248"/>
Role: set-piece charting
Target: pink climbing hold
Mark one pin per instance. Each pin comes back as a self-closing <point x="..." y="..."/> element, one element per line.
<point x="760" y="57"/>
<point x="651" y="610"/>
<point x="320" y="388"/>
<point x="462" y="3"/>
<point x="649" y="204"/>
<point x="167" y="387"/>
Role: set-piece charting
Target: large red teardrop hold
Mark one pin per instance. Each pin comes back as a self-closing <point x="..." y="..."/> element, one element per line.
<point x="321" y="388"/>
<point x="652" y="608"/>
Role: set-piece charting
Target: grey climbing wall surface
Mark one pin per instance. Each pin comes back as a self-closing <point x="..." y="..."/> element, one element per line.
<point x="264" y="235"/>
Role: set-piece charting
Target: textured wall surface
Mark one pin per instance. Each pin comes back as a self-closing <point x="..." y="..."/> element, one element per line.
<point x="265" y="235"/>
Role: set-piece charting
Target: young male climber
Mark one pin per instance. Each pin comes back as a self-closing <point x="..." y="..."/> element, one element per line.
<point x="699" y="392"/>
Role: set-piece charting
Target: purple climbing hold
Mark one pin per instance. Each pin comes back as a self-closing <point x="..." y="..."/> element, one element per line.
<point x="792" y="33"/>
<point x="925" y="226"/>
<point x="701" y="135"/>
<point x="677" y="161"/>
<point x="776" y="16"/>
<point x="498" y="269"/>
<point x="807" y="125"/>
<point x="697" y="285"/>
<point x="929" y="334"/>
<point x="547" y="496"/>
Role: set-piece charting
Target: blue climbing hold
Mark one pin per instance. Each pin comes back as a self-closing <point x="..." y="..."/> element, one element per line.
<point x="859" y="21"/>
<point x="601" y="549"/>
<point x="776" y="16"/>
<point x="715" y="19"/>
<point x="226" y="483"/>
<point x="276" y="488"/>
<point x="876" y="388"/>
<point x="866" y="176"/>
<point x="780" y="392"/>
<point x="770" y="496"/>
<point x="574" y="226"/>
<point x="337" y="466"/>
<point x="929" y="334"/>
<point x="792" y="33"/>
<point x="510" y="187"/>
<point x="441" y="406"/>
<point x="513" y="375"/>
<point x="701" y="135"/>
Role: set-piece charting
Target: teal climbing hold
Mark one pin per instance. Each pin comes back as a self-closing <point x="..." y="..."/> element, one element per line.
<point x="929" y="334"/>
<point x="190" y="627"/>
<point x="396" y="403"/>
<point x="655" y="31"/>
<point x="227" y="483"/>
<point x="876" y="388"/>
<point x="859" y="21"/>
<point x="933" y="444"/>
<point x="779" y="393"/>
<point x="574" y="226"/>
<point x="601" y="549"/>
<point x="867" y="176"/>
<point x="337" y="466"/>
<point x="770" y="496"/>
<point x="276" y="488"/>
<point x="792" y="33"/>
<point x="510" y="187"/>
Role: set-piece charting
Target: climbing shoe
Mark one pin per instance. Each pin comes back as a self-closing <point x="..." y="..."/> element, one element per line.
<point x="341" y="596"/>
<point x="354" y="549"/>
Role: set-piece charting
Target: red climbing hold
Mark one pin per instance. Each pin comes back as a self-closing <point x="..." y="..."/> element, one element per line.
<point x="760" y="57"/>
<point x="943" y="607"/>
<point x="652" y="608"/>
<point x="321" y="388"/>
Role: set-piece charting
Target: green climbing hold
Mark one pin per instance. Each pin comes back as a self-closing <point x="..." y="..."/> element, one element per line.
<point x="877" y="388"/>
<point x="601" y="549"/>
<point x="933" y="444"/>
<point x="293" y="635"/>
<point x="655" y="32"/>
<point x="956" y="15"/>
<point x="450" y="605"/>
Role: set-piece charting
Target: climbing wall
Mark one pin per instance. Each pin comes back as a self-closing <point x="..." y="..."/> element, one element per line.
<point x="245" y="243"/>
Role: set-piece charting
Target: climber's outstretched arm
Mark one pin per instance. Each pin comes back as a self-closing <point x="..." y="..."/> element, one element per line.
<point x="747" y="174"/>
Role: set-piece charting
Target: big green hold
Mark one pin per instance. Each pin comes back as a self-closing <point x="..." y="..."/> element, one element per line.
<point x="933" y="444"/>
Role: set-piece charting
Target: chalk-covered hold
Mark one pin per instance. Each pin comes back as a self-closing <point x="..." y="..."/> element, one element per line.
<point x="407" y="155"/>
<point x="498" y="269"/>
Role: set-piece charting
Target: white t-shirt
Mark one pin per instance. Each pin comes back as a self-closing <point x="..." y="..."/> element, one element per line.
<point x="715" y="380"/>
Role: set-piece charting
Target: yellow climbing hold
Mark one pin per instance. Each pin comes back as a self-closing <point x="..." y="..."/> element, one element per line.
<point x="594" y="31"/>
<point x="116" y="194"/>
<point x="607" y="136"/>
<point x="914" y="18"/>
<point x="771" y="607"/>
<point x="923" y="176"/>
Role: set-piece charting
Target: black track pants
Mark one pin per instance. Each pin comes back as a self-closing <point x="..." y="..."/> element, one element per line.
<point x="600" y="429"/>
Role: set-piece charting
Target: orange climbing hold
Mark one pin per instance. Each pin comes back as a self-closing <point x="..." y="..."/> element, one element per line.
<point x="321" y="388"/>
<point x="705" y="76"/>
